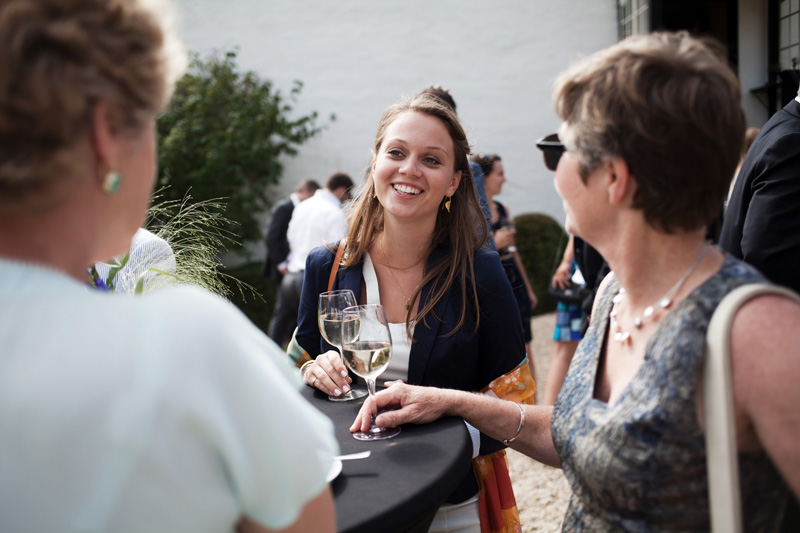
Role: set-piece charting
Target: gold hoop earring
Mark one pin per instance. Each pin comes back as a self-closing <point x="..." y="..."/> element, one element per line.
<point x="447" y="203"/>
<point x="111" y="183"/>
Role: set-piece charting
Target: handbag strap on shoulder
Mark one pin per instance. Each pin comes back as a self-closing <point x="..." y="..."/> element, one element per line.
<point x="335" y="266"/>
<point x="721" y="451"/>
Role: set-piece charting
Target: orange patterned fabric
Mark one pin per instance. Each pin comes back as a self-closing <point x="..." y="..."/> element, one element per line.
<point x="496" y="502"/>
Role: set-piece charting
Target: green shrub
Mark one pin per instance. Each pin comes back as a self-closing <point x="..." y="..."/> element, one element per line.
<point x="222" y="137"/>
<point x="258" y="308"/>
<point x="537" y="239"/>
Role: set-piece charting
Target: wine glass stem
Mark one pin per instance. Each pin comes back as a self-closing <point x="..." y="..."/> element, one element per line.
<point x="374" y="413"/>
<point x="341" y="354"/>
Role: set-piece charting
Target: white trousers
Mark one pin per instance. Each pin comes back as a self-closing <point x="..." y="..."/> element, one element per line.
<point x="462" y="517"/>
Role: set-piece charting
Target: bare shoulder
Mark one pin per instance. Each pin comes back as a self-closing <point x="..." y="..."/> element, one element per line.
<point x="765" y="321"/>
<point x="765" y="361"/>
<point x="765" y="354"/>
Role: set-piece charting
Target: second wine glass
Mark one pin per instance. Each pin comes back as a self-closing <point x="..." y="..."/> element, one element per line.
<point x="367" y="348"/>
<point x="331" y="305"/>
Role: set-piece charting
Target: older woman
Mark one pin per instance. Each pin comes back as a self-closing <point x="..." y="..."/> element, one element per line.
<point x="157" y="413"/>
<point x="627" y="426"/>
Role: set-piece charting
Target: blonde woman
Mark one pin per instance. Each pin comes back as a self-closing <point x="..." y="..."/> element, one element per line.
<point x="165" y="412"/>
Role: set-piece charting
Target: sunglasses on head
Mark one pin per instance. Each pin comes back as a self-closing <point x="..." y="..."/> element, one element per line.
<point x="552" y="149"/>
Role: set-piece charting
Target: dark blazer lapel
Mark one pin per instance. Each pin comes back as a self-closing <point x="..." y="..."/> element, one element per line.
<point x="425" y="337"/>
<point x="349" y="278"/>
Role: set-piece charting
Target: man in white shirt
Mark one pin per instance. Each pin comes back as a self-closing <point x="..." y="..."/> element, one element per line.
<point x="316" y="221"/>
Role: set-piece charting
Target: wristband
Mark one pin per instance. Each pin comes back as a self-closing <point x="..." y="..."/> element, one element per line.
<point x="519" y="429"/>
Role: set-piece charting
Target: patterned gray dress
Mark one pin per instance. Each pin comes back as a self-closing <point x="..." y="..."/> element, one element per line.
<point x="639" y="464"/>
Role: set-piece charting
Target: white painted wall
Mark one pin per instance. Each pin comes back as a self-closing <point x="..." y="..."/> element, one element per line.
<point x="355" y="57"/>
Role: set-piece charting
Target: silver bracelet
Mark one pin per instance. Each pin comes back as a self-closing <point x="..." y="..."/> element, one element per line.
<point x="519" y="429"/>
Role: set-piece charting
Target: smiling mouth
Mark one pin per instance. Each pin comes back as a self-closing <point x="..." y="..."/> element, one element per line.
<point x="405" y="189"/>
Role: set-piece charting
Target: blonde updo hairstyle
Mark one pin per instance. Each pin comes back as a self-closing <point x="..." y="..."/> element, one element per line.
<point x="59" y="58"/>
<point x="461" y="228"/>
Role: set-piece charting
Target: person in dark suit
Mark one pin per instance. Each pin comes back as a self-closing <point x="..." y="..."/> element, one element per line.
<point x="762" y="223"/>
<point x="275" y="263"/>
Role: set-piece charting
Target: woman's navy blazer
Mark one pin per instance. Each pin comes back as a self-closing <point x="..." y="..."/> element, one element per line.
<point x="468" y="360"/>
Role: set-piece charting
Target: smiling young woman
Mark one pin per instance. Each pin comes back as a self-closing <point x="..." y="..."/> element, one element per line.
<point x="413" y="247"/>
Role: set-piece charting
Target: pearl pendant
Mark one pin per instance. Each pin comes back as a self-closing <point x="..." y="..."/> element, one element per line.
<point x="622" y="336"/>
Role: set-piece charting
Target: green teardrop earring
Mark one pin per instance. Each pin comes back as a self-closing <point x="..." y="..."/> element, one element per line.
<point x="111" y="183"/>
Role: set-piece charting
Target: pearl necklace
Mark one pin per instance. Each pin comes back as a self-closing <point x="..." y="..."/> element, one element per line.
<point x="664" y="302"/>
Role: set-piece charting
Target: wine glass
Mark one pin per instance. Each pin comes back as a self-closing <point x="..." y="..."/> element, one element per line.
<point x="331" y="305"/>
<point x="367" y="347"/>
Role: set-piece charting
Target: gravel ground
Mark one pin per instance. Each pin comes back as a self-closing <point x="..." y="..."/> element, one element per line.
<point x="542" y="493"/>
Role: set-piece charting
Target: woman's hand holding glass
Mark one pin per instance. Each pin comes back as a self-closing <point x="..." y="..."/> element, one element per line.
<point x="504" y="237"/>
<point x="328" y="373"/>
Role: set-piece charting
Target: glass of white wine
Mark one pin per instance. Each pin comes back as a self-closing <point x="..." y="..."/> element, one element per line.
<point x="331" y="305"/>
<point x="367" y="348"/>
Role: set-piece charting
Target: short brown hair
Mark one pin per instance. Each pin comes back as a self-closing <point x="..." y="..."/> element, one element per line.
<point x="310" y="186"/>
<point x="338" y="180"/>
<point x="669" y="106"/>
<point x="59" y="58"/>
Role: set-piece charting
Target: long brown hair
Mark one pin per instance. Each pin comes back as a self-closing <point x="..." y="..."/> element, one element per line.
<point x="462" y="228"/>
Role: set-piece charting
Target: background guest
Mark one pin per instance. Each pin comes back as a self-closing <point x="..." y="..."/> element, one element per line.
<point x="149" y="254"/>
<point x="165" y="412"/>
<point x="444" y="96"/>
<point x="317" y="220"/>
<point x="276" y="263"/>
<point x="503" y="231"/>
<point x="567" y="332"/>
<point x="762" y="222"/>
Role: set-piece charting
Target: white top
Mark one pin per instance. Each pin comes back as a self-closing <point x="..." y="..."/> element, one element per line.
<point x="165" y="412"/>
<point x="317" y="220"/>
<point x="148" y="252"/>
<point x="401" y="344"/>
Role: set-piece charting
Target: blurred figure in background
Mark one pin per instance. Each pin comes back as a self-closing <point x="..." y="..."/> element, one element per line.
<point x="762" y="222"/>
<point x="315" y="221"/>
<point x="276" y="263"/>
<point x="149" y="265"/>
<point x="502" y="229"/>
<point x="444" y="96"/>
<point x="567" y="332"/>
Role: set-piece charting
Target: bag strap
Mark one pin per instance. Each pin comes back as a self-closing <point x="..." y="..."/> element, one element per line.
<point x="559" y="253"/>
<point x="335" y="266"/>
<point x="722" y="465"/>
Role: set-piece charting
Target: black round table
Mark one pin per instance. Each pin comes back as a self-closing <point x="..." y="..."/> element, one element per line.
<point x="405" y="479"/>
